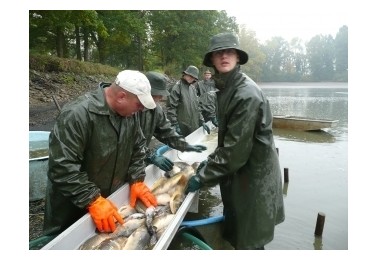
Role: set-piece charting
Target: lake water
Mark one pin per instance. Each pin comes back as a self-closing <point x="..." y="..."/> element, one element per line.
<point x="317" y="166"/>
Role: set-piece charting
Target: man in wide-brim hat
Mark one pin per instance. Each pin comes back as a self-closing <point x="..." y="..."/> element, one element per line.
<point x="245" y="162"/>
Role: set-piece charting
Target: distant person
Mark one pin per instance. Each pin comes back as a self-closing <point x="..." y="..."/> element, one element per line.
<point x="183" y="104"/>
<point x="207" y="97"/>
<point x="245" y="162"/>
<point x="95" y="147"/>
<point x="154" y="122"/>
<point x="206" y="84"/>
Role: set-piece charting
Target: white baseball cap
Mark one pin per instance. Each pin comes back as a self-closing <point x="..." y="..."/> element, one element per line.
<point x="137" y="83"/>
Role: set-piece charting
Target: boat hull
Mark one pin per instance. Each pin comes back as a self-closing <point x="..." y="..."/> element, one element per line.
<point x="302" y="123"/>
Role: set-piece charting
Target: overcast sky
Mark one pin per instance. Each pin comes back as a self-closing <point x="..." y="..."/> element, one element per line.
<point x="290" y="20"/>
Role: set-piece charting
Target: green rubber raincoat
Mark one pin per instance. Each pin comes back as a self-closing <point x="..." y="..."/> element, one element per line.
<point x="183" y="107"/>
<point x="245" y="163"/>
<point x="154" y="122"/>
<point x="92" y="151"/>
<point x="207" y="98"/>
<point x="207" y="105"/>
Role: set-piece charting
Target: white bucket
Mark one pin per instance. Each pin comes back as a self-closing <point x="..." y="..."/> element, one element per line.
<point x="38" y="162"/>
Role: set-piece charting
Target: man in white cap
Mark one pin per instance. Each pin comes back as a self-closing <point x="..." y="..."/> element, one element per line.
<point x="95" y="147"/>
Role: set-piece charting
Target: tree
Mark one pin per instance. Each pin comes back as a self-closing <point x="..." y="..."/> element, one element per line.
<point x="320" y="51"/>
<point x="48" y="29"/>
<point x="341" y="54"/>
<point x="249" y="43"/>
<point x="277" y="55"/>
<point x="180" y="38"/>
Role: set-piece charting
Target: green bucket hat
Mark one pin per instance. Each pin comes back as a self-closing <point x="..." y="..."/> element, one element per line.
<point x="192" y="71"/>
<point x="158" y="83"/>
<point x="224" y="41"/>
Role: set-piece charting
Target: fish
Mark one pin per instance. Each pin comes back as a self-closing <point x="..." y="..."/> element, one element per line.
<point x="177" y="168"/>
<point x="167" y="185"/>
<point x="126" y="211"/>
<point x="138" y="240"/>
<point x="176" y="200"/>
<point x="147" y="224"/>
<point x="93" y="242"/>
<point x="179" y="194"/>
<point x="173" y="171"/>
<point x="162" y="199"/>
<point x="188" y="171"/>
<point x="131" y="224"/>
<point x="195" y="165"/>
<point x="162" y="222"/>
<point x="116" y="243"/>
<point x="149" y="213"/>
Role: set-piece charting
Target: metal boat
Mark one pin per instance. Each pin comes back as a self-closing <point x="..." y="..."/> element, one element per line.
<point x="302" y="123"/>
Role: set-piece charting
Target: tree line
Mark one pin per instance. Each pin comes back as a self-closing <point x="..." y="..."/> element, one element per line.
<point x="170" y="40"/>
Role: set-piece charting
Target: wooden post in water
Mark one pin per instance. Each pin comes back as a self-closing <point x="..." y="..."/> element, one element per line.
<point x="286" y="177"/>
<point x="320" y="224"/>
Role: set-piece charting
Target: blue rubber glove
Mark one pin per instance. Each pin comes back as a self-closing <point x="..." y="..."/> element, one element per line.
<point x="193" y="184"/>
<point x="201" y="165"/>
<point x="195" y="148"/>
<point x="161" y="162"/>
<point x="214" y="121"/>
<point x="206" y="128"/>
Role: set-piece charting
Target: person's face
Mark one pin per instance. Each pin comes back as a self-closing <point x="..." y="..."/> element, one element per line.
<point x="128" y="104"/>
<point x="207" y="76"/>
<point x="190" y="79"/>
<point x="225" y="60"/>
<point x="157" y="98"/>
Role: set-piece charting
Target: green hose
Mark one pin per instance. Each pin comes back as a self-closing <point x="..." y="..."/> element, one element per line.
<point x="197" y="241"/>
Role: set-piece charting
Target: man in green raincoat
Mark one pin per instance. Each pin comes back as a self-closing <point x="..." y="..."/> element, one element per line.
<point x="153" y="122"/>
<point x="207" y="97"/>
<point x="245" y="163"/>
<point x="95" y="147"/>
<point x="183" y="104"/>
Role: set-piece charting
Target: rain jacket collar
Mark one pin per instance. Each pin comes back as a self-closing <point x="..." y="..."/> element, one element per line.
<point x="221" y="80"/>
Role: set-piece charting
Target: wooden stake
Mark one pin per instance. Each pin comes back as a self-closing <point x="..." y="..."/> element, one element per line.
<point x="56" y="103"/>
<point x="320" y="224"/>
<point x="286" y="177"/>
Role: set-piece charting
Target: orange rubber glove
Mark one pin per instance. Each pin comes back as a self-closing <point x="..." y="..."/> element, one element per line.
<point x="140" y="191"/>
<point x="103" y="212"/>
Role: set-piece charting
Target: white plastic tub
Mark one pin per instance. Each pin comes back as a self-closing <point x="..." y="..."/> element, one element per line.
<point x="84" y="228"/>
<point x="38" y="150"/>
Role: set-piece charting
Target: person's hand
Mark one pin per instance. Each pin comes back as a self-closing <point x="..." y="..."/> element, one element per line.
<point x="140" y="191"/>
<point x="162" y="162"/>
<point x="194" y="184"/>
<point x="214" y="121"/>
<point x="201" y="165"/>
<point x="178" y="129"/>
<point x="206" y="128"/>
<point x="195" y="148"/>
<point x="103" y="212"/>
